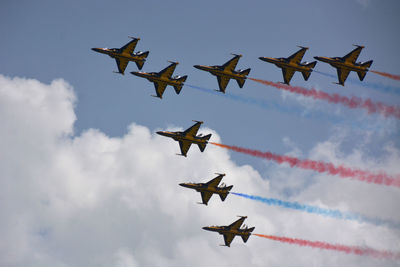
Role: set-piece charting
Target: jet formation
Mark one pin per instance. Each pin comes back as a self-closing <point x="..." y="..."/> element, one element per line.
<point x="292" y="64"/>
<point x="229" y="232"/>
<point x="211" y="187"/>
<point x="125" y="54"/>
<point x="348" y="63"/>
<point x="226" y="72"/>
<point x="163" y="78"/>
<point x="188" y="137"/>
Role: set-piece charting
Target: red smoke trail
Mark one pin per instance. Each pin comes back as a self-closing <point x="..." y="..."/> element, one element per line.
<point x="382" y="254"/>
<point x="319" y="166"/>
<point x="391" y="76"/>
<point x="352" y="102"/>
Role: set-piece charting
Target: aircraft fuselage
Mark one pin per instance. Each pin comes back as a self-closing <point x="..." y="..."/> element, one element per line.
<point x="115" y="53"/>
<point x="226" y="230"/>
<point x="338" y="62"/>
<point x="218" y="71"/>
<point x="179" y="136"/>
<point x="154" y="77"/>
<point x="285" y="63"/>
<point x="204" y="188"/>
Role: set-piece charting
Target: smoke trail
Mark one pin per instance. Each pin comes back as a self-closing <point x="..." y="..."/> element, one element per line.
<point x="353" y="102"/>
<point x="376" y="86"/>
<point x="321" y="211"/>
<point x="388" y="75"/>
<point x="364" y="251"/>
<point x="268" y="105"/>
<point x="320" y="166"/>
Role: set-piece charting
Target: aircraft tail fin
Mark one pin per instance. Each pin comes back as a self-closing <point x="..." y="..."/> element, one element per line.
<point x="223" y="195"/>
<point x="178" y="88"/>
<point x="241" y="81"/>
<point x="362" y="73"/>
<point x="246" y="237"/>
<point x="306" y="74"/>
<point x="142" y="56"/>
<point x="203" y="145"/>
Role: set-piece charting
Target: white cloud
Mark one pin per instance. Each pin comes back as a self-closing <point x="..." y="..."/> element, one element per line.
<point x="92" y="200"/>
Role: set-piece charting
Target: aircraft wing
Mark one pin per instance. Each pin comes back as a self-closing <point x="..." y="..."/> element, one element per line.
<point x="342" y="75"/>
<point x="298" y="56"/>
<point x="228" y="239"/>
<point x="184" y="145"/>
<point x="129" y="47"/>
<point x="222" y="82"/>
<point x="167" y="72"/>
<point x="236" y="225"/>
<point x="287" y="74"/>
<point x="353" y="55"/>
<point x="231" y="64"/>
<point x="160" y="88"/>
<point x="121" y="63"/>
<point x="215" y="182"/>
<point x="193" y="129"/>
<point x="205" y="196"/>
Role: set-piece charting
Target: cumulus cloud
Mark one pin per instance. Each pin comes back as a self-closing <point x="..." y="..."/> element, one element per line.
<point x="93" y="200"/>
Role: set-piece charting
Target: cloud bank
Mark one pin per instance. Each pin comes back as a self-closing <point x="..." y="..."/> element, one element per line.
<point x="93" y="200"/>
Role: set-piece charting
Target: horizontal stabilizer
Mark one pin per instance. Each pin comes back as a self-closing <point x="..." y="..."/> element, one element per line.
<point x="245" y="72"/>
<point x="246" y="237"/>
<point x="178" y="88"/>
<point x="311" y="64"/>
<point x="139" y="64"/>
<point x="225" y="194"/>
<point x="361" y="74"/>
<point x="306" y="74"/>
<point x="203" y="145"/>
<point x="367" y="64"/>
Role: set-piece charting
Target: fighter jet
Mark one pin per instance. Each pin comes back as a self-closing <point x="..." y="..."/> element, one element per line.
<point x="163" y="78"/>
<point x="125" y="54"/>
<point x="348" y="63"/>
<point x="210" y="188"/>
<point x="188" y="137"/>
<point x="226" y="72"/>
<point x="292" y="64"/>
<point x="229" y="232"/>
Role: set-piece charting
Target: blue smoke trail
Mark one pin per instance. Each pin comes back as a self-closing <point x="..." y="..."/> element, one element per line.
<point x="262" y="103"/>
<point x="376" y="86"/>
<point x="321" y="211"/>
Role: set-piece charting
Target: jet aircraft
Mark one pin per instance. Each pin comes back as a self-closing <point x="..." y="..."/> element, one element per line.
<point x="292" y="64"/>
<point x="210" y="188"/>
<point x="188" y="137"/>
<point x="348" y="63"/>
<point x="125" y="54"/>
<point x="229" y="232"/>
<point x="226" y="72"/>
<point x="163" y="78"/>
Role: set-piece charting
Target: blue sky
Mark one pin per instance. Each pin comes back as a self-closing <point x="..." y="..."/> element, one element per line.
<point x="46" y="40"/>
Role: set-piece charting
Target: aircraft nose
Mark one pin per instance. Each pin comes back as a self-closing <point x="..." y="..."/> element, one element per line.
<point x="197" y="67"/>
<point x="96" y="49"/>
<point x="182" y="184"/>
<point x="318" y="58"/>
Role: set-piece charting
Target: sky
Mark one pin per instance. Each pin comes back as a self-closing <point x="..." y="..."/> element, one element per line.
<point x="85" y="181"/>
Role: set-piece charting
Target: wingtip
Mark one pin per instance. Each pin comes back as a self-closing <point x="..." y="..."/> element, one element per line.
<point x="303" y="47"/>
<point x="198" y="121"/>
<point x="223" y="174"/>
<point x="361" y="46"/>
<point x="236" y="55"/>
<point x="134" y="38"/>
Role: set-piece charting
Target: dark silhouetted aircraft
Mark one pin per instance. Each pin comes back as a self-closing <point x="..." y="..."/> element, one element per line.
<point x="226" y="72"/>
<point x="125" y="54"/>
<point x="163" y="78"/>
<point x="229" y="232"/>
<point x="292" y="64"/>
<point x="188" y="137"/>
<point x="210" y="188"/>
<point x="348" y="63"/>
